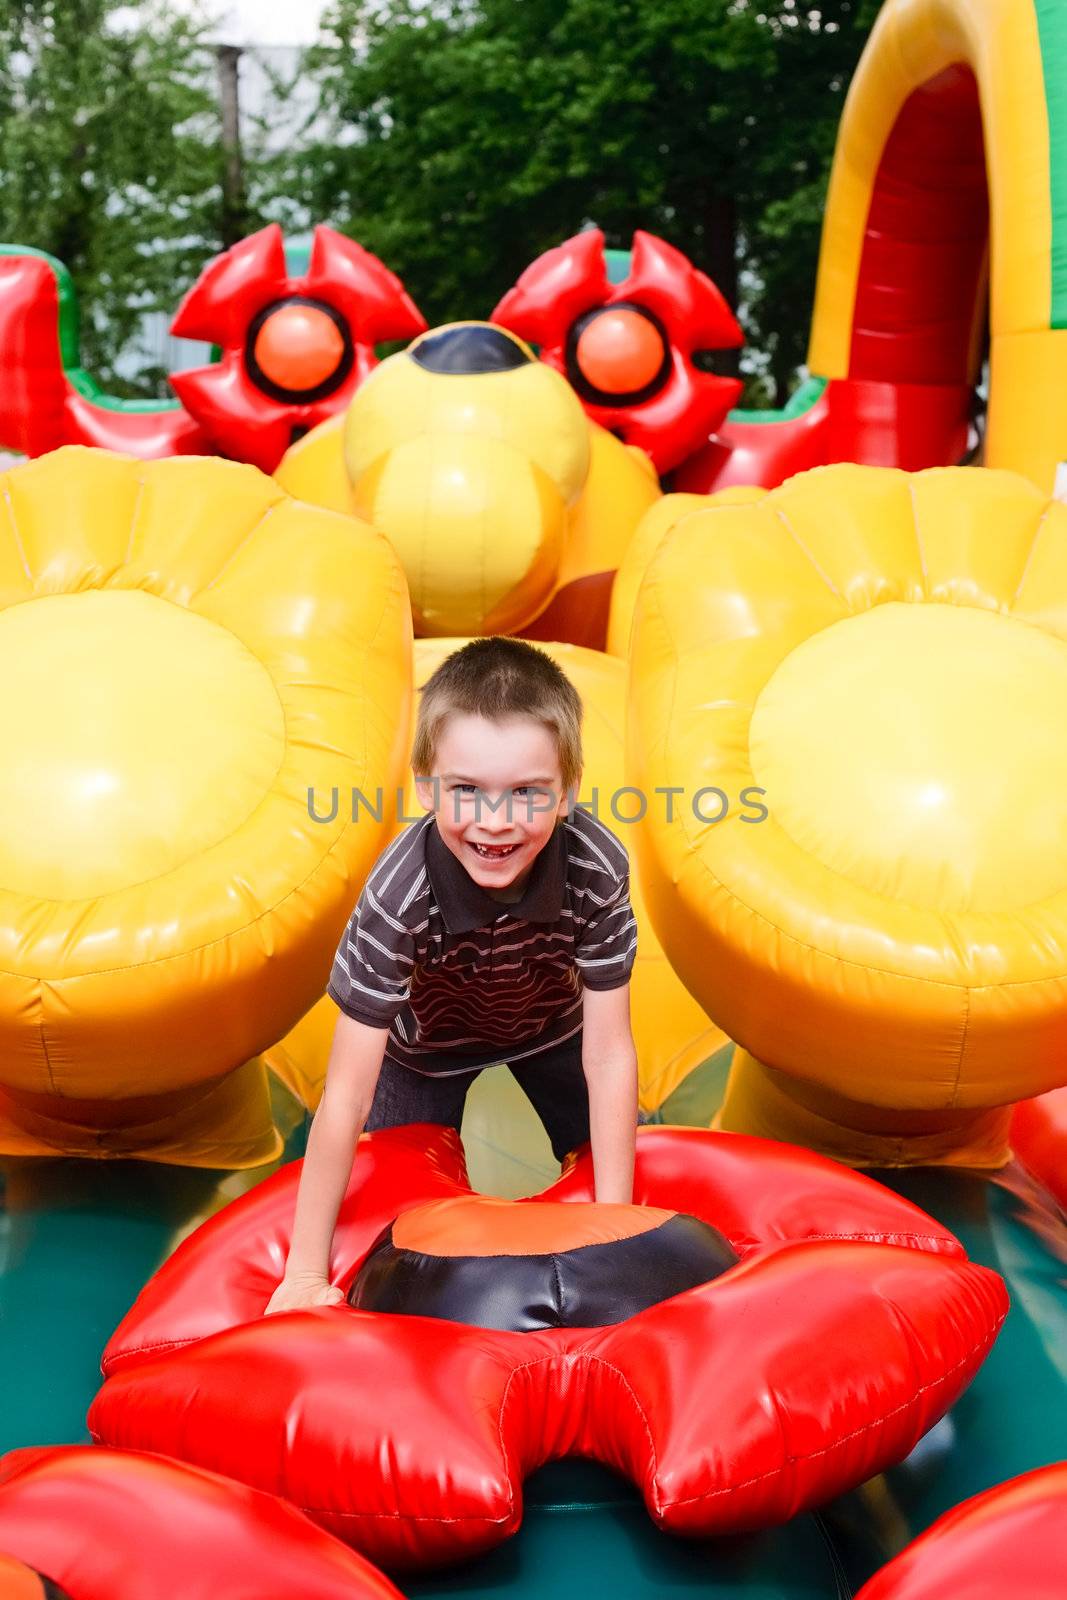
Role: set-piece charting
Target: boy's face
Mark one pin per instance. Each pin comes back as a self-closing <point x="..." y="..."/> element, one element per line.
<point x="497" y="792"/>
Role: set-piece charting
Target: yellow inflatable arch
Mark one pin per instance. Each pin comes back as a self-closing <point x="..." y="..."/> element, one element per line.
<point x="950" y="174"/>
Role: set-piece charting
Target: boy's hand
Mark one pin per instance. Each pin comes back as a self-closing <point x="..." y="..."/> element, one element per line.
<point x="301" y="1291"/>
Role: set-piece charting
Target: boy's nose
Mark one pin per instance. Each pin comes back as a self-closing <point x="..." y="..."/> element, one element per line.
<point x="499" y="820"/>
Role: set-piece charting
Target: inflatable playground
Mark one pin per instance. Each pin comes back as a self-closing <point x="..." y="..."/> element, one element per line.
<point x="823" y="659"/>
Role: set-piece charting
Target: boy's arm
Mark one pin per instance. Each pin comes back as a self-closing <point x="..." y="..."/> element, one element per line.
<point x="609" y="1061"/>
<point x="351" y="1075"/>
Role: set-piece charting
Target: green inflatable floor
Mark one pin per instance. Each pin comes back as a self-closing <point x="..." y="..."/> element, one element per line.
<point x="79" y="1239"/>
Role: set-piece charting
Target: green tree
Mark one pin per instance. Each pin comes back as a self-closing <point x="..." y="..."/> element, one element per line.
<point x="109" y="158"/>
<point x="463" y="137"/>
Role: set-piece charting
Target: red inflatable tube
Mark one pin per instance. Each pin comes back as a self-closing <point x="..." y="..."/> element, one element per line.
<point x="1039" y="1139"/>
<point x="850" y="1325"/>
<point x="85" y="1524"/>
<point x="1007" y="1544"/>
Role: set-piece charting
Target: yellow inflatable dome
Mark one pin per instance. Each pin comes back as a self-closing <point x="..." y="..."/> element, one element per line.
<point x="858" y="685"/>
<point x="673" y="1034"/>
<point x="509" y="511"/>
<point x="186" y="653"/>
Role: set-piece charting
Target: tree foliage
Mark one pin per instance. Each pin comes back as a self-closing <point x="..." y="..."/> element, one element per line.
<point x="109" y="156"/>
<point x="457" y="138"/>
<point x="463" y="137"/>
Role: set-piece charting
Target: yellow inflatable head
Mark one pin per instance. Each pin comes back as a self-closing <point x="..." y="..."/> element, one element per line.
<point x="510" y="511"/>
<point x="468" y="451"/>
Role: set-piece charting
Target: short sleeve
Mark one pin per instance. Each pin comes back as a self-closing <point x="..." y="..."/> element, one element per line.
<point x="371" y="977"/>
<point x="607" y="946"/>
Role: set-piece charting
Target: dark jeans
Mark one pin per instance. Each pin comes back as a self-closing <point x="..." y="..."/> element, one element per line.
<point x="552" y="1081"/>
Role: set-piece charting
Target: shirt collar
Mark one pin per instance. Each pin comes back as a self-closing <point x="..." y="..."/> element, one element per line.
<point x="465" y="906"/>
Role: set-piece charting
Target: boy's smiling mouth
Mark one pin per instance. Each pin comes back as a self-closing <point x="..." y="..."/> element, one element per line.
<point x="492" y="852"/>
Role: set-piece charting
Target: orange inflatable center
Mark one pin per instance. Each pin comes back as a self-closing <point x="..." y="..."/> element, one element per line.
<point x="620" y="351"/>
<point x="473" y="1225"/>
<point x="298" y="347"/>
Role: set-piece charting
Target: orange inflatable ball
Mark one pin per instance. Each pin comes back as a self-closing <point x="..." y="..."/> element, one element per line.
<point x="193" y="652"/>
<point x="299" y="346"/>
<point x="18" y="1582"/>
<point x="620" y="351"/>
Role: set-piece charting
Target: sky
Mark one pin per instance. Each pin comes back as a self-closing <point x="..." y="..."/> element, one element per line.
<point x="262" y="21"/>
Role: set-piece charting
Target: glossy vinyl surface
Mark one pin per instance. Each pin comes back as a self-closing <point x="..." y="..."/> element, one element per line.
<point x="78" y="1240"/>
<point x="194" y="653"/>
<point x="107" y="1525"/>
<point x="900" y="1319"/>
<point x="890" y="939"/>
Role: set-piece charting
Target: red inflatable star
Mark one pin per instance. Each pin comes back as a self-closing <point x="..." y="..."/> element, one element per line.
<point x="628" y="348"/>
<point x="294" y="349"/>
<point x="84" y="1524"/>
<point x="849" y="1325"/>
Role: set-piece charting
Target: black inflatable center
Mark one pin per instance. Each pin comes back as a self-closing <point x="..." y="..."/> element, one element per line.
<point x="591" y="1286"/>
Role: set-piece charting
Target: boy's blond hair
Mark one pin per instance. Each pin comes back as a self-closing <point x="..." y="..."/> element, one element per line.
<point x="498" y="678"/>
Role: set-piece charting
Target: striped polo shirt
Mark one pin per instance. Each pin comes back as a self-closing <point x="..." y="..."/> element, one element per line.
<point x="462" y="980"/>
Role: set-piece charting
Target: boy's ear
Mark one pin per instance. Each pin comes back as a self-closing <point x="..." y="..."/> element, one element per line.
<point x="426" y="792"/>
<point x="570" y="797"/>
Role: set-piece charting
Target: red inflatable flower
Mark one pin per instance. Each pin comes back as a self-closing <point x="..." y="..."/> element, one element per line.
<point x="1009" y="1542"/>
<point x="294" y="348"/>
<point x="848" y="1326"/>
<point x="84" y="1524"/>
<point x="628" y="348"/>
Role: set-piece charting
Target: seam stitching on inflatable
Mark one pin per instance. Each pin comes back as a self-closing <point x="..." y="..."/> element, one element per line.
<point x="1030" y="555"/>
<point x="133" y="521"/>
<point x="238" y="547"/>
<point x="15" y="529"/>
<point x="639" y="1408"/>
<point x="802" y="547"/>
<point x="923" y="568"/>
<point x="877" y="1422"/>
<point x="44" y="1040"/>
<point x="954" y="1101"/>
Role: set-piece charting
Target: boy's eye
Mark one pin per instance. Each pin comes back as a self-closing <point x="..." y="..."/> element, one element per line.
<point x="465" y="788"/>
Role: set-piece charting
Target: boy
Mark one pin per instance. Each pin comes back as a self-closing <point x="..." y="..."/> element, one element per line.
<point x="496" y="928"/>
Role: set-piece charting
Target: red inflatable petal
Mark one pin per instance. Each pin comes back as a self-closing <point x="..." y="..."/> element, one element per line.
<point x="1010" y="1541"/>
<point x="110" y="1526"/>
<point x="676" y="421"/>
<point x="371" y="298"/>
<point x="225" y="1273"/>
<point x="232" y="288"/>
<point x="384" y="1430"/>
<point x="666" y="281"/>
<point x="559" y="286"/>
<point x="243" y="422"/>
<point x="760" y="1193"/>
<point x="779" y="1420"/>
